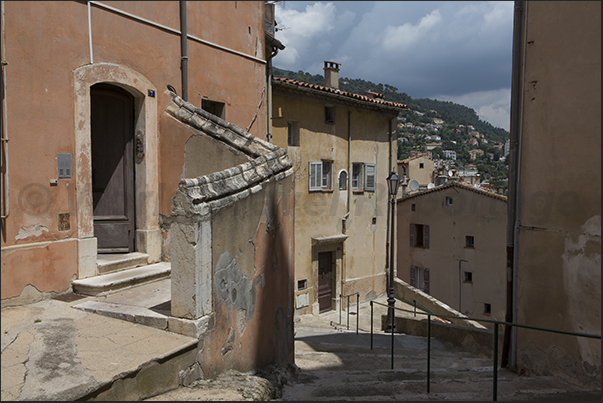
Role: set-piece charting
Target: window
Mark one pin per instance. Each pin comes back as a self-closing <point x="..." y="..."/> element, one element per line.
<point x="449" y="201"/>
<point x="357" y="176"/>
<point x="419" y="278"/>
<point x="419" y="236"/>
<point x="320" y="175"/>
<point x="469" y="241"/>
<point x="213" y="107"/>
<point x="413" y="207"/>
<point x="330" y="115"/>
<point x="487" y="309"/>
<point x="293" y="134"/>
<point x="421" y="165"/>
<point x="364" y="177"/>
<point x="302" y="284"/>
<point x="467" y="277"/>
<point x="343" y="180"/>
<point x="370" y="171"/>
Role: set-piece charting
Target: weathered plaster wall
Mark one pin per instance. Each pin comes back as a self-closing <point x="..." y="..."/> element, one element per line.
<point x="359" y="262"/>
<point x="253" y="282"/>
<point x="559" y="251"/>
<point x="38" y="79"/>
<point x="485" y="218"/>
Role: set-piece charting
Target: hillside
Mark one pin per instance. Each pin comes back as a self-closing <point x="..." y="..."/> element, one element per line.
<point x="450" y="112"/>
<point x="459" y="130"/>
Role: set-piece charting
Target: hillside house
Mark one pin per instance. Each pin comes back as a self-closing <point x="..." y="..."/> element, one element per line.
<point x="343" y="148"/>
<point x="419" y="168"/>
<point x="450" y="154"/>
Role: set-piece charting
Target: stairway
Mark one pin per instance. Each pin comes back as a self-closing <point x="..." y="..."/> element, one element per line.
<point x="119" y="271"/>
<point x="338" y="364"/>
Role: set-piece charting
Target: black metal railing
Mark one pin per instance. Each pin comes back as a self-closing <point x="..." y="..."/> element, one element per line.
<point x="495" y="322"/>
<point x="357" y="294"/>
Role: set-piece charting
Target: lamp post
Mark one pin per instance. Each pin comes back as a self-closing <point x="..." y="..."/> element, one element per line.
<point x="393" y="181"/>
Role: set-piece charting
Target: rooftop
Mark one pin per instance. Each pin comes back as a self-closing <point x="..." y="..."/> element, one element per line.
<point x="288" y="83"/>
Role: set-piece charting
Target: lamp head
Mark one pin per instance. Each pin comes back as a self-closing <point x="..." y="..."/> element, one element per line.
<point x="393" y="181"/>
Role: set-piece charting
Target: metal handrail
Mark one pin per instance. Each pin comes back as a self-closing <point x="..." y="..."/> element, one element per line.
<point x="357" y="294"/>
<point x="495" y="322"/>
<point x="429" y="310"/>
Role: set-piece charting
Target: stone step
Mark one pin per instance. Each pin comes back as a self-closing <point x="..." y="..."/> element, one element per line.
<point x="107" y="263"/>
<point x="121" y="279"/>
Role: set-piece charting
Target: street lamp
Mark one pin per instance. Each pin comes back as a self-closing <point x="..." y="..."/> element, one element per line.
<point x="393" y="181"/>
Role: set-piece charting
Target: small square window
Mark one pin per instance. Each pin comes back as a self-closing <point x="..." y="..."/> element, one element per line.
<point x="469" y="241"/>
<point x="302" y="284"/>
<point x="330" y="115"/>
<point x="487" y="309"/>
<point x="413" y="207"/>
<point x="449" y="201"/>
<point x="467" y="277"/>
<point x="213" y="107"/>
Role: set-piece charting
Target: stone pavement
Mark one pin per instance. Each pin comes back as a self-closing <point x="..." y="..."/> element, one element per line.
<point x="51" y="351"/>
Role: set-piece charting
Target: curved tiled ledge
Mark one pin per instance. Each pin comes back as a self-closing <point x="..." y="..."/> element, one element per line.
<point x="201" y="195"/>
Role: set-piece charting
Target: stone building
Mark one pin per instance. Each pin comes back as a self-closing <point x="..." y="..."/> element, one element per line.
<point x="555" y="188"/>
<point x="451" y="245"/>
<point x="342" y="146"/>
<point x="102" y="161"/>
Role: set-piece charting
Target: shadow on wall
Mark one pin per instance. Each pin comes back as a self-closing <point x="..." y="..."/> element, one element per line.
<point x="232" y="250"/>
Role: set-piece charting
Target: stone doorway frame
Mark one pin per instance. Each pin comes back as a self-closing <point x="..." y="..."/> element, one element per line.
<point x="146" y="172"/>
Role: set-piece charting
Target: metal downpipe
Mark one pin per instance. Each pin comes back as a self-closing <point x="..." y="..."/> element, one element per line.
<point x="513" y="178"/>
<point x="183" y="51"/>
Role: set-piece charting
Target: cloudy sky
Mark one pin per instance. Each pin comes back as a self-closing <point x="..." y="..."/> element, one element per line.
<point x="457" y="51"/>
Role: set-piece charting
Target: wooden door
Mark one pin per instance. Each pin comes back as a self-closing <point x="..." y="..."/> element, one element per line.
<point x="325" y="281"/>
<point x="112" y="133"/>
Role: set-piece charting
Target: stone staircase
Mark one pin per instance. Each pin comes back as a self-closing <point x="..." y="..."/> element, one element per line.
<point x="338" y="364"/>
<point x="119" y="271"/>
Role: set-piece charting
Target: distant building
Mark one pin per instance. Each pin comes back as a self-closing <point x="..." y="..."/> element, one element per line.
<point x="450" y="154"/>
<point x="451" y="245"/>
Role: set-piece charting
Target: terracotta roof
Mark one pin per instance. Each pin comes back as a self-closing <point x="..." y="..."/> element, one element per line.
<point x="454" y="184"/>
<point x="288" y="82"/>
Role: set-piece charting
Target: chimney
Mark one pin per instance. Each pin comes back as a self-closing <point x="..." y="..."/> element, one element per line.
<point x="332" y="74"/>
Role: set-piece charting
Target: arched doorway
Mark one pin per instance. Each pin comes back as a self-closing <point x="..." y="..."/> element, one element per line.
<point x="112" y="134"/>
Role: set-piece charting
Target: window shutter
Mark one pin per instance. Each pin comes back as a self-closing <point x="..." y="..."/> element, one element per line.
<point x="426" y="236"/>
<point x="369" y="176"/>
<point x="426" y="280"/>
<point x="315" y="176"/>
<point x="412" y="275"/>
<point x="413" y="234"/>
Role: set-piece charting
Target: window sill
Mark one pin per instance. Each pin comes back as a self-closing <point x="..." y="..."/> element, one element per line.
<point x="357" y="192"/>
<point x="467" y="282"/>
<point x="469" y="247"/>
<point x="326" y="190"/>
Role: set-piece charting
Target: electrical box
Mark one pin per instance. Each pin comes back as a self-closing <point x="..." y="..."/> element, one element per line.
<point x="64" y="162"/>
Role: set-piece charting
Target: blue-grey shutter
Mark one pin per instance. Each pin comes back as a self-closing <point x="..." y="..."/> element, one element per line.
<point x="315" y="176"/>
<point x="413" y="235"/>
<point x="426" y="236"/>
<point x="369" y="176"/>
<point x="412" y="276"/>
<point x="426" y="280"/>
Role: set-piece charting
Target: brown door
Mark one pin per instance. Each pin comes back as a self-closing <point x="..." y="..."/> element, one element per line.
<point x="112" y="132"/>
<point x="325" y="281"/>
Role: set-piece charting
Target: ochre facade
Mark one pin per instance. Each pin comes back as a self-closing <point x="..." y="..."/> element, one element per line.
<point x="341" y="224"/>
<point x="55" y="51"/>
